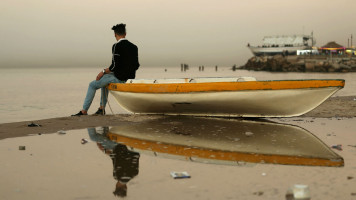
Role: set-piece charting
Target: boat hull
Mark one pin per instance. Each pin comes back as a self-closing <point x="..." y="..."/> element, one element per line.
<point x="270" y="51"/>
<point x="248" y="101"/>
<point x="212" y="140"/>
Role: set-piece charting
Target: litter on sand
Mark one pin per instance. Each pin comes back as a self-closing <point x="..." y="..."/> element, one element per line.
<point x="22" y="148"/>
<point x="84" y="141"/>
<point x="34" y="125"/>
<point x="179" y="175"/>
<point x="337" y="146"/>
<point x="248" y="134"/>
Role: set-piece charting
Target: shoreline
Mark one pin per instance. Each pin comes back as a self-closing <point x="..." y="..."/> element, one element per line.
<point x="300" y="63"/>
<point x="339" y="107"/>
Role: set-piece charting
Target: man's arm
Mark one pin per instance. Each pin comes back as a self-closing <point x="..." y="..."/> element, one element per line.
<point x="136" y="58"/>
<point x="115" y="57"/>
<point x="112" y="66"/>
<point x="101" y="74"/>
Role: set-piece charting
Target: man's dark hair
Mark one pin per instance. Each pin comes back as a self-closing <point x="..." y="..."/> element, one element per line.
<point x="119" y="29"/>
<point x="120" y="192"/>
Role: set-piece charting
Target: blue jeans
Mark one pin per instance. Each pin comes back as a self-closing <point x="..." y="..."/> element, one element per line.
<point x="102" y="138"/>
<point x="102" y="83"/>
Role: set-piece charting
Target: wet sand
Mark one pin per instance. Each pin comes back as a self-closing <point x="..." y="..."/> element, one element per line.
<point x="341" y="107"/>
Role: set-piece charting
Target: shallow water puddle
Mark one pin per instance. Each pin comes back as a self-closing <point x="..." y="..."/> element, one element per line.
<point x="226" y="159"/>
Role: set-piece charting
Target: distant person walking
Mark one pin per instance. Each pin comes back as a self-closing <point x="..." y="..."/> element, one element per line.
<point x="123" y="67"/>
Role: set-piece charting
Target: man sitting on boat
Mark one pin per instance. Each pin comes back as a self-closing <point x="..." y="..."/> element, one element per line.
<point x="123" y="67"/>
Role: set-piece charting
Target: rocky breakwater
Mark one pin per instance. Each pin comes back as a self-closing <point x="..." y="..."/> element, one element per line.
<point x="316" y="63"/>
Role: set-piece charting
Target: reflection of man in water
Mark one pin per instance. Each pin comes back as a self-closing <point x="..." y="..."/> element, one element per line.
<point x="125" y="162"/>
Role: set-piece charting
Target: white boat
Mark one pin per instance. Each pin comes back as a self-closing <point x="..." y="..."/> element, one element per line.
<point x="225" y="141"/>
<point x="236" y="97"/>
<point x="287" y="45"/>
<point x="270" y="51"/>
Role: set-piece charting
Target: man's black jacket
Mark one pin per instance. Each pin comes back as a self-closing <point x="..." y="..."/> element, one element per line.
<point x="124" y="60"/>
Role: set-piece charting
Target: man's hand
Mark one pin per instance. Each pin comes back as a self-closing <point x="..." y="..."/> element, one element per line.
<point x="101" y="74"/>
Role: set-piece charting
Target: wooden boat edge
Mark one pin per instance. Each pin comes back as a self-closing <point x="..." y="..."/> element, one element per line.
<point x="225" y="86"/>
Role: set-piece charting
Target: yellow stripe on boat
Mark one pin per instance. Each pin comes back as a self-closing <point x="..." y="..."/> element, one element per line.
<point x="222" y="155"/>
<point x="223" y="86"/>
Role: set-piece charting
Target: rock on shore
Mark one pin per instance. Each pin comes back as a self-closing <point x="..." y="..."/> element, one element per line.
<point x="279" y="63"/>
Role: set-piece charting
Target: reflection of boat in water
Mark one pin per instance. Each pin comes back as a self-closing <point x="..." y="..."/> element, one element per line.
<point x="287" y="45"/>
<point x="226" y="141"/>
<point x="241" y="97"/>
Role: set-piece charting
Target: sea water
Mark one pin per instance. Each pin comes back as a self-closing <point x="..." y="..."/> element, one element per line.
<point x="39" y="93"/>
<point x="59" y="166"/>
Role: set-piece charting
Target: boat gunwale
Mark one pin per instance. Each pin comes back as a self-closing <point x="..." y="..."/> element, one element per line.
<point x="225" y="155"/>
<point x="226" y="86"/>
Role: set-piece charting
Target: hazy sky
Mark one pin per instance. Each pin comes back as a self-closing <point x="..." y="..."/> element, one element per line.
<point x="71" y="33"/>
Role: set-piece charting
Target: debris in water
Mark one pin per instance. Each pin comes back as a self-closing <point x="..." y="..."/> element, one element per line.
<point x="298" y="120"/>
<point x="337" y="146"/>
<point x="298" y="192"/>
<point x="22" y="147"/>
<point x="179" y="175"/>
<point x="259" y="193"/>
<point x="84" y="141"/>
<point x="34" y="125"/>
